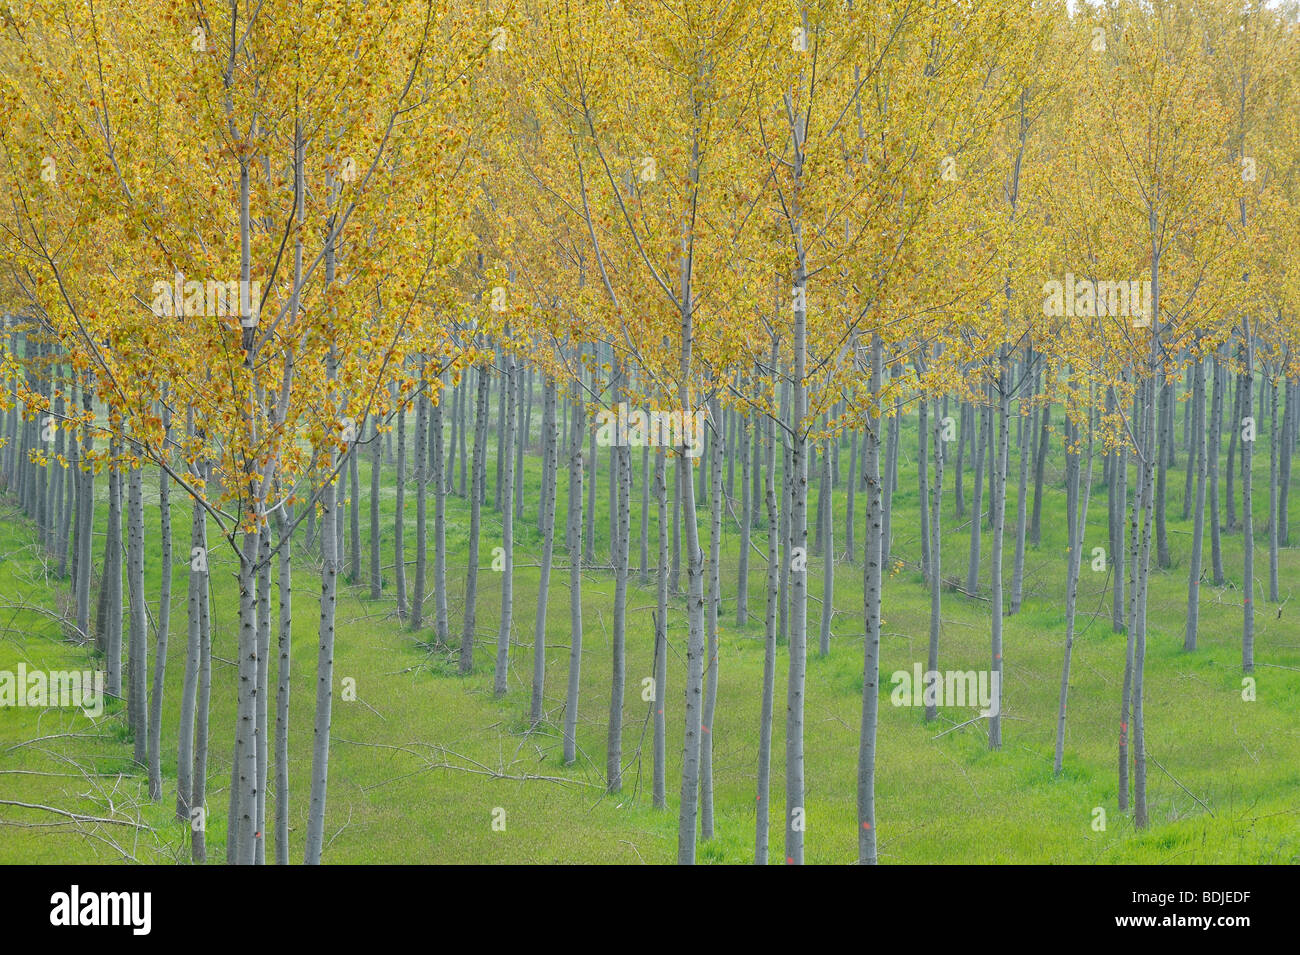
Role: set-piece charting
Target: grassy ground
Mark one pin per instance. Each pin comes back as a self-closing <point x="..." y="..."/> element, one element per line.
<point x="420" y="761"/>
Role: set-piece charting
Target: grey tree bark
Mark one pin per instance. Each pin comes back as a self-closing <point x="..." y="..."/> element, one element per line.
<point x="243" y="795"/>
<point x="546" y="510"/>
<point x="1164" y="429"/>
<point x="263" y="730"/>
<point x="998" y="506"/>
<point x="977" y="505"/>
<point x="354" y="519"/>
<point x="923" y="481"/>
<point x="643" y="577"/>
<point x="85" y="515"/>
<point x="1213" y="442"/>
<point x="1040" y="466"/>
<point x="872" y="567"/>
<point x="501" y="671"/>
<point x="715" y="602"/>
<point x="1274" y="439"/>
<point x="1116" y="500"/>
<point x="163" y="624"/>
<point x="315" y="837"/>
<point x="1196" y="456"/>
<point x="850" y="489"/>
<point x="110" y="623"/>
<point x="1247" y="510"/>
<point x="763" y="812"/>
<point x="620" y="476"/>
<point x="441" y="479"/>
<point x="284" y="525"/>
<point x="399" y="515"/>
<point x="936" y="556"/>
<point x="959" y="470"/>
<point x="1234" y="432"/>
<point x="475" y="521"/>
<point x="694" y="686"/>
<point x="1288" y="447"/>
<point x="137" y="647"/>
<point x="198" y="792"/>
<point x="828" y="559"/>
<point x="376" y="560"/>
<point x="795" y="813"/>
<point x="658" y="789"/>
<point x="746" y="522"/>
<point x="1078" y="523"/>
<point x="423" y="474"/>
<point x="1029" y="371"/>
<point x="573" y="542"/>
<point x="190" y="684"/>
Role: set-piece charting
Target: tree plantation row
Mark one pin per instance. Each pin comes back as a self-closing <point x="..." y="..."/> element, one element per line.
<point x="710" y="269"/>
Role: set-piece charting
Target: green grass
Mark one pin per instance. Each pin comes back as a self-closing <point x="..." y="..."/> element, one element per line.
<point x="421" y="760"/>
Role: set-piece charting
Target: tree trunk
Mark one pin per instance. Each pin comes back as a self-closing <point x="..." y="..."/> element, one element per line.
<point x="315" y="838"/>
<point x="1116" y="499"/>
<point x="717" y="450"/>
<point x="573" y="541"/>
<point x="244" y="790"/>
<point x="137" y="647"/>
<point x="354" y="519"/>
<point x="620" y="477"/>
<point x="1022" y="497"/>
<point x="1247" y="514"/>
<point x="922" y="483"/>
<point x="162" y="626"/>
<point x="263" y="731"/>
<point x="795" y="810"/>
<point x="1214" y="439"/>
<point x="873" y="579"/>
<point x="1273" y="440"/>
<point x="659" y="787"/>
<point x="546" y="509"/>
<point x="977" y="512"/>
<point x="198" y="792"/>
<point x="284" y="522"/>
<point x="376" y="559"/>
<point x="746" y="522"/>
<point x="440" y="480"/>
<point x="1166" y="449"/>
<point x="959" y="470"/>
<point x="850" y="489"/>
<point x="475" y="521"/>
<point x="501" y="671"/>
<point x="762" y="815"/>
<point x="1196" y="455"/>
<point x="424" y="473"/>
<point x="110" y="624"/>
<point x="936" y="554"/>
<point x="1288" y="445"/>
<point x="189" y="688"/>
<point x="1078" y="523"/>
<point x="1040" y="465"/>
<point x="85" y="516"/>
<point x="828" y="558"/>
<point x="589" y="539"/>
<point x="998" y="506"/>
<point x="399" y="515"/>
<point x="1234" y="432"/>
